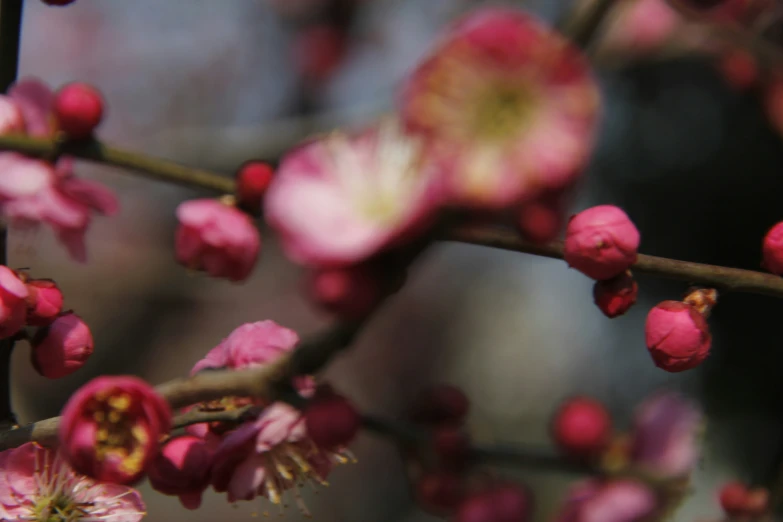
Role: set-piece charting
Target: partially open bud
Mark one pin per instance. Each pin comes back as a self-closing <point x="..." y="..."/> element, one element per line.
<point x="601" y="242"/>
<point x="62" y="347"/>
<point x="44" y="302"/>
<point x="582" y="427"/>
<point x="182" y="469"/>
<point x="616" y="296"/>
<point x="677" y="336"/>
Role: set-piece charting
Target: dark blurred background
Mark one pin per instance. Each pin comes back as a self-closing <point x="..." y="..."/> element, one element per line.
<point x="693" y="161"/>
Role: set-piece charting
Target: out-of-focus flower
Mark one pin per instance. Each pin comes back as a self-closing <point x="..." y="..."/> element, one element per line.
<point x="342" y="199"/>
<point x="664" y="436"/>
<point x="601" y="242"/>
<point x="270" y="456"/>
<point x="350" y="291"/>
<point x="182" y="469"/>
<point x="739" y="68"/>
<point x="62" y="347"/>
<point x="642" y="26"/>
<point x="111" y="426"/>
<point x="33" y="191"/>
<point x="216" y="238"/>
<point x="743" y="503"/>
<point x="440" y="404"/>
<point x="508" y="108"/>
<point x="772" y="247"/>
<point x="500" y="503"/>
<point x="677" y="336"/>
<point x="13" y="307"/>
<point x="608" y="501"/>
<point x="253" y="179"/>
<point x="318" y="51"/>
<point x="582" y="427"/>
<point x="44" y="302"/>
<point x="440" y="492"/>
<point x="78" y="108"/>
<point x="331" y="421"/>
<point x="37" y="484"/>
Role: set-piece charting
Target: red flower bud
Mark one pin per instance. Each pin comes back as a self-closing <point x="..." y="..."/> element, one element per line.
<point x="504" y="503"/>
<point x="772" y="250"/>
<point x="252" y="179"/>
<point x="582" y="427"/>
<point x="677" y="336"/>
<point x="331" y="421"/>
<point x="62" y="347"/>
<point x="617" y="295"/>
<point x="44" y="302"/>
<point x="348" y="291"/>
<point x="601" y="242"/>
<point x="78" y="108"/>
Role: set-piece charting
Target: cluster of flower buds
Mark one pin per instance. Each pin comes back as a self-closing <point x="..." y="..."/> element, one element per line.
<point x="62" y="343"/>
<point x="661" y="447"/>
<point x="34" y="191"/>
<point x="676" y="332"/>
<point x="445" y="486"/>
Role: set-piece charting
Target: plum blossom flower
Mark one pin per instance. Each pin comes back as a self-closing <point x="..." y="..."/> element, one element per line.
<point x="342" y="199"/>
<point x="271" y="455"/>
<point x="216" y="238"/>
<point x="608" y="501"/>
<point x="664" y="435"/>
<point x="111" y="426"/>
<point x="36" y="484"/>
<point x="13" y="307"/>
<point x="508" y="108"/>
<point x="182" y="469"/>
<point x="34" y="191"/>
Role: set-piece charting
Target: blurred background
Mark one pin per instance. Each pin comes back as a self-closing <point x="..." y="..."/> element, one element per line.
<point x="693" y="159"/>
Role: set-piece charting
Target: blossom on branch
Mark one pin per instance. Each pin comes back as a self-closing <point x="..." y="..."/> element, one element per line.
<point x="182" y="468"/>
<point x="216" y="238"/>
<point x="37" y="484"/>
<point x="341" y="199"/>
<point x="508" y="108"/>
<point x="111" y="426"/>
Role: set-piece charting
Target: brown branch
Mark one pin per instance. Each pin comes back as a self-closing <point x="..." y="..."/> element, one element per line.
<point x="733" y="279"/>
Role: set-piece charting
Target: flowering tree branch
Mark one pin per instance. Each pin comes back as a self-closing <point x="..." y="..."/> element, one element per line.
<point x="10" y="31"/>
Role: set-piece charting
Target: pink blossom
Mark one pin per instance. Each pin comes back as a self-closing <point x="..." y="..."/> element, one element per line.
<point x="182" y="469"/>
<point x="62" y="347"/>
<point x="36" y="101"/>
<point x="216" y="238"/>
<point x="11" y="119"/>
<point x="643" y="26"/>
<point x="252" y="344"/>
<point x="677" y="336"/>
<point x="342" y="199"/>
<point x="664" y="435"/>
<point x="111" y="426"/>
<point x="270" y="456"/>
<point x="44" y="302"/>
<point x="37" y="484"/>
<point x="601" y="242"/>
<point x="610" y="501"/>
<point x="508" y="107"/>
<point x="13" y="308"/>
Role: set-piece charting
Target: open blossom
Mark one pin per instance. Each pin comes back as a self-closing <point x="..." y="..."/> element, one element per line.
<point x="341" y="199"/>
<point x="269" y="456"/>
<point x="508" y="107"/>
<point x="62" y="347"/>
<point x="216" y="238"/>
<point x="111" y="426"/>
<point x="36" y="484"/>
<point x="608" y="501"/>
<point x="664" y="435"/>
<point x="13" y="307"/>
<point x="34" y="191"/>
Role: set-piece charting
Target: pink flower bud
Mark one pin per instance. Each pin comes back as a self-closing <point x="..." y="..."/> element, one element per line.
<point x="601" y="242"/>
<point x="217" y="239"/>
<point x="348" y="291"/>
<point x="617" y="295"/>
<point x="182" y="469"/>
<point x="44" y="302"/>
<point x="78" y="108"/>
<point x="11" y="118"/>
<point x="582" y="427"/>
<point x="13" y="307"/>
<point x="772" y="250"/>
<point x="677" y="336"/>
<point x="331" y="421"/>
<point x="253" y="179"/>
<point x="62" y="347"/>
<point x="111" y="426"/>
